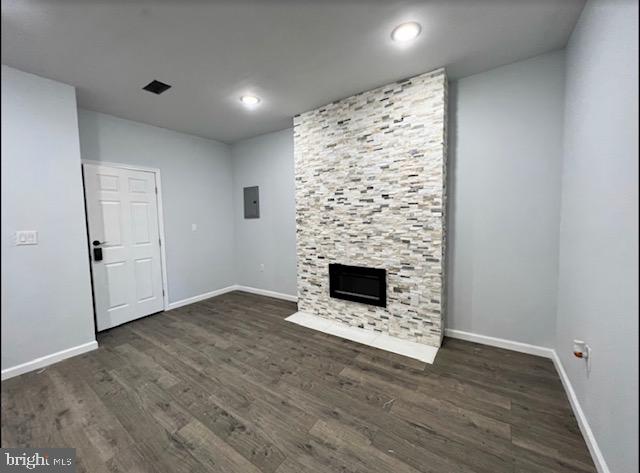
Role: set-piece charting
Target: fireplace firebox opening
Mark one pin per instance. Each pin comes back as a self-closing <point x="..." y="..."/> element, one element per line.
<point x="358" y="284"/>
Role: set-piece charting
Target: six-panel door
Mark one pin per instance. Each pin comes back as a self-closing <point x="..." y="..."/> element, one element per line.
<point x="122" y="214"/>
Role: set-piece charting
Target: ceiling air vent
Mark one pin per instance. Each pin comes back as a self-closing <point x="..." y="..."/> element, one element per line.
<point x="156" y="87"/>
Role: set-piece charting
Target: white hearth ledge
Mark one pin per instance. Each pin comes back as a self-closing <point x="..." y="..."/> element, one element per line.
<point x="382" y="341"/>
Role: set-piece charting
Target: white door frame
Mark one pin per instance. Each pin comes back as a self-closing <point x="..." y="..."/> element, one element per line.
<point x="163" y="256"/>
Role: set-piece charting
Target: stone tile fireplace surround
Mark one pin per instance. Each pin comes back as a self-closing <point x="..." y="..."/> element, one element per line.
<point x="371" y="191"/>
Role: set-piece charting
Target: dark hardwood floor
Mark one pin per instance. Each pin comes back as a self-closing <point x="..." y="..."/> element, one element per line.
<point x="226" y="385"/>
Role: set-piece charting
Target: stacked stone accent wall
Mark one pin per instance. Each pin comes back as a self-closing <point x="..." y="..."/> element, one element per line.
<point x="370" y="191"/>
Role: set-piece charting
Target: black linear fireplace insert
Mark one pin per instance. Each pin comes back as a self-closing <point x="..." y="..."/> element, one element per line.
<point x="358" y="284"/>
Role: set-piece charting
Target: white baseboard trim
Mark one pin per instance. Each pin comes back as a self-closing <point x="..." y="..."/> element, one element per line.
<point x="264" y="292"/>
<point x="583" y="423"/>
<point x="500" y="343"/>
<point x="201" y="297"/>
<point x="234" y="287"/>
<point x="48" y="360"/>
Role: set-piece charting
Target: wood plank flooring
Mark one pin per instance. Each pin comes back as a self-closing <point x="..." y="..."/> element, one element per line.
<point x="226" y="385"/>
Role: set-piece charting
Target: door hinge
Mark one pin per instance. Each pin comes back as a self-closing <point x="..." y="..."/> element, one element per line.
<point x="156" y="191"/>
<point x="160" y="241"/>
<point x="163" y="292"/>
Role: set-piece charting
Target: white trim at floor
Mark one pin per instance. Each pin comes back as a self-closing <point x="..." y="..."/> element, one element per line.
<point x="587" y="433"/>
<point x="48" y="360"/>
<point x="264" y="292"/>
<point x="583" y="423"/>
<point x="200" y="297"/>
<point x="234" y="287"/>
<point x="500" y="343"/>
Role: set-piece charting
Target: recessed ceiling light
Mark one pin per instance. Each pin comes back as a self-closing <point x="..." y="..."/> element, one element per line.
<point x="250" y="100"/>
<point x="406" y="32"/>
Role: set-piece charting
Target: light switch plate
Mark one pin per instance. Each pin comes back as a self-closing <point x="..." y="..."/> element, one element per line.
<point x="26" y="237"/>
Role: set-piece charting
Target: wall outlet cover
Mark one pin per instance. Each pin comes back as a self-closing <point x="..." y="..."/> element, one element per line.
<point x="26" y="237"/>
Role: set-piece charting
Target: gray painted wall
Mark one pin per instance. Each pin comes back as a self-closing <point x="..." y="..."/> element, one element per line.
<point x="598" y="280"/>
<point x="266" y="161"/>
<point x="505" y="147"/>
<point x="46" y="292"/>
<point x="505" y="151"/>
<point x="196" y="188"/>
<point x="504" y="189"/>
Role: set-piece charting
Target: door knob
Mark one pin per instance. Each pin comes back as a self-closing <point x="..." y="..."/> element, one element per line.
<point x="97" y="243"/>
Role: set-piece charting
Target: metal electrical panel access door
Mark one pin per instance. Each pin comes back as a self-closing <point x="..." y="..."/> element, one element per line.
<point x="251" y="202"/>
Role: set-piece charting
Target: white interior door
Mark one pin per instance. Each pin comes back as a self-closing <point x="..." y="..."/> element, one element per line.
<point x="122" y="214"/>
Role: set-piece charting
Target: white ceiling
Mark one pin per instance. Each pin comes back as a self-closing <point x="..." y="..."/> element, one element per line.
<point x="294" y="54"/>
